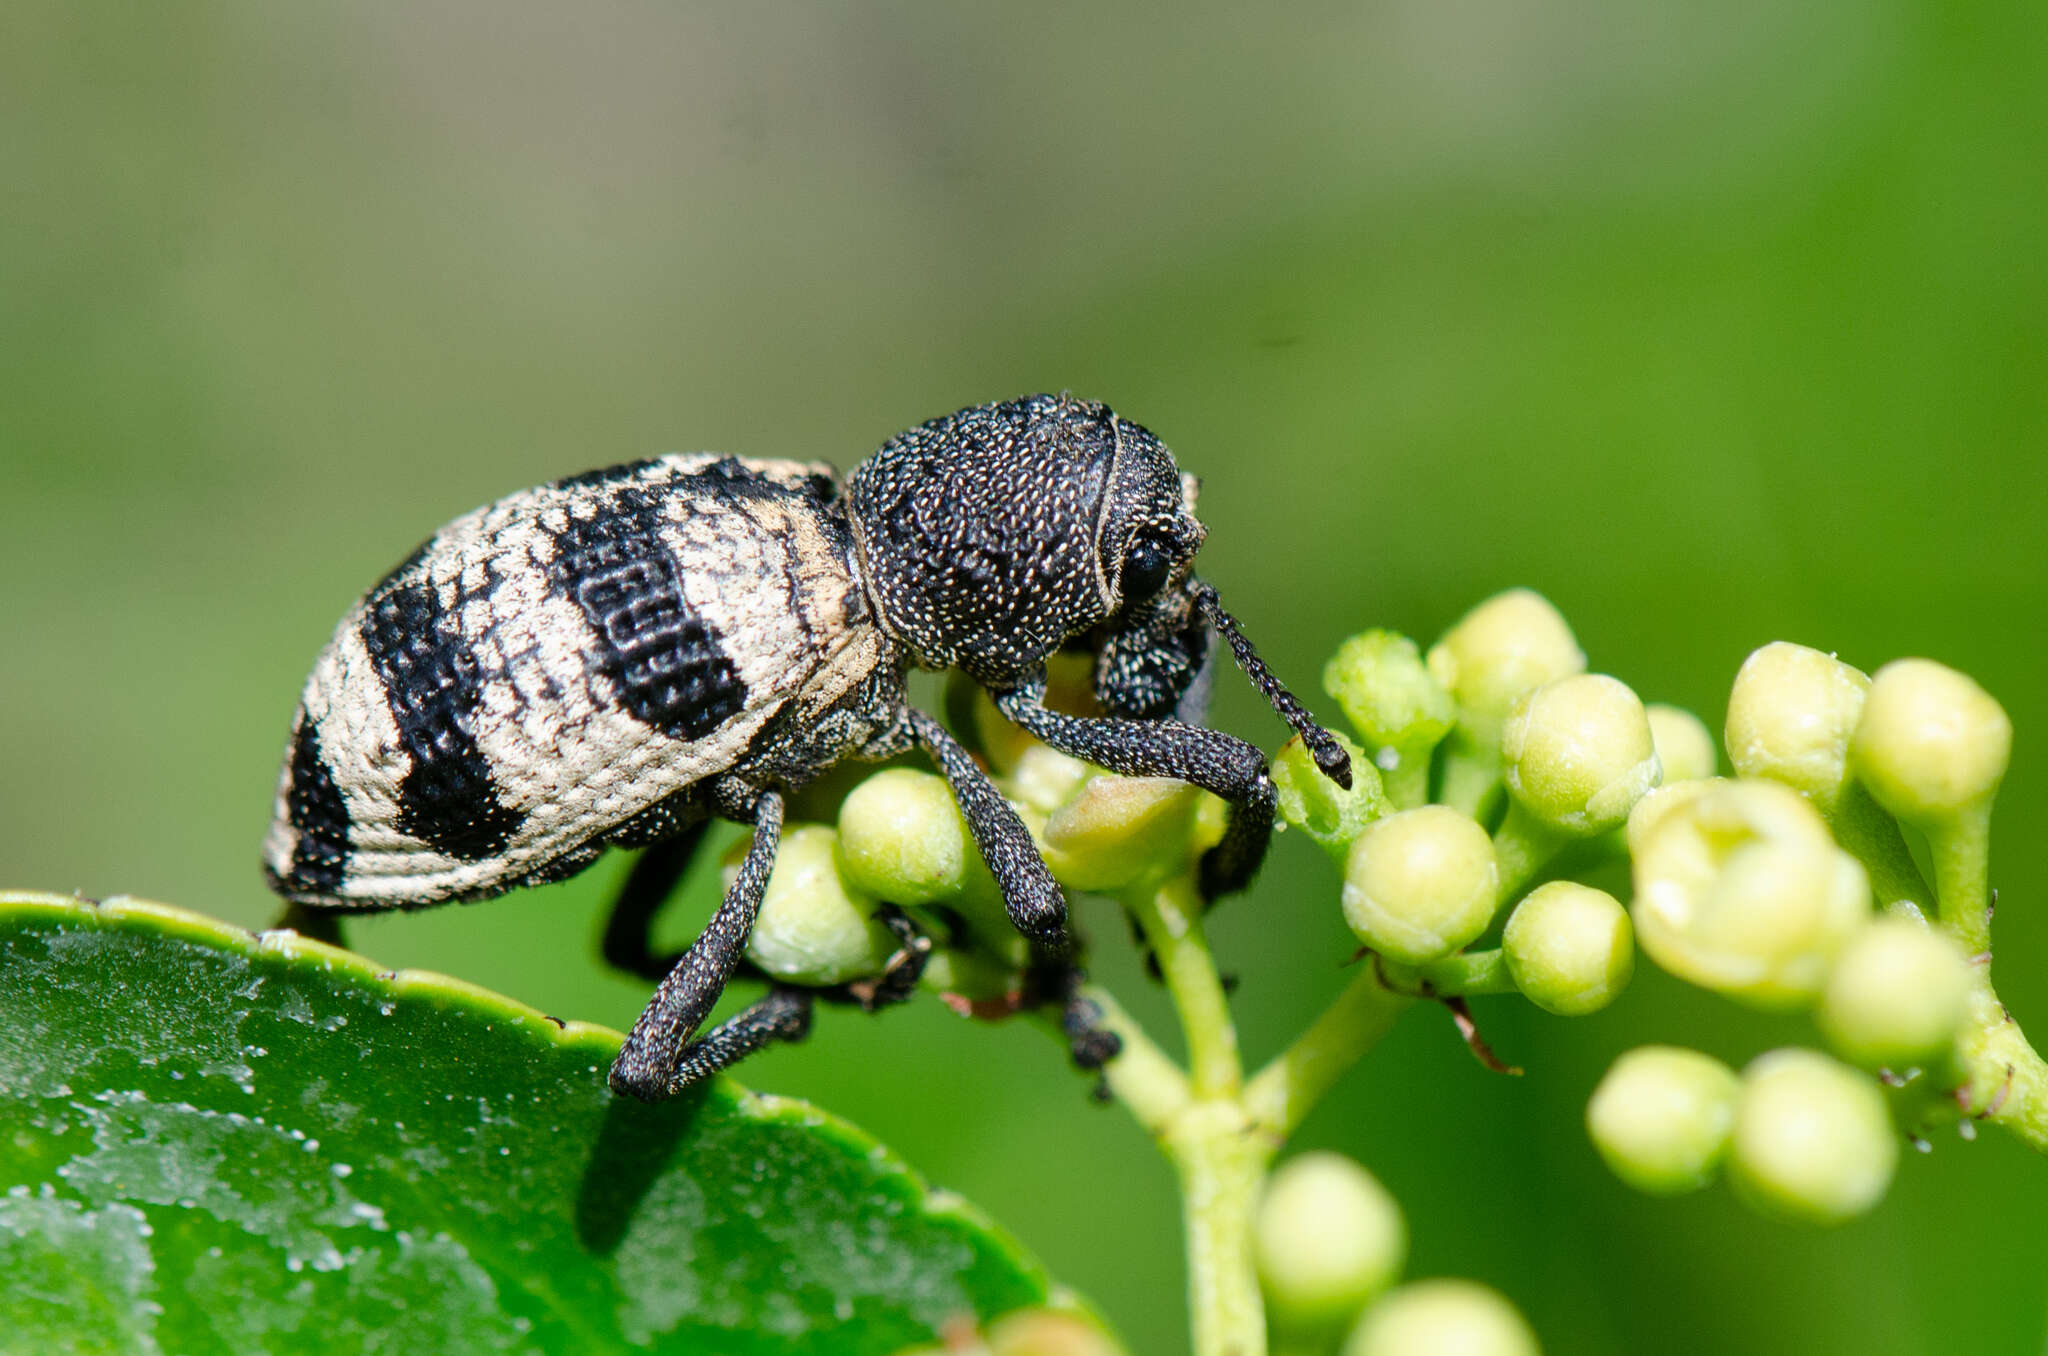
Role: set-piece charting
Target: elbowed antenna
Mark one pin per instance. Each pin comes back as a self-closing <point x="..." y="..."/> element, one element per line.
<point x="1322" y="746"/>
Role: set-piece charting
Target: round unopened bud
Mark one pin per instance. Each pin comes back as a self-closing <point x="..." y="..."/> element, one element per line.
<point x="1812" y="1138"/>
<point x="901" y="838"/>
<point x="1044" y="778"/>
<point x="1739" y="889"/>
<point x="812" y="928"/>
<point x="1442" y="1318"/>
<point x="1512" y="643"/>
<point x="1327" y="1238"/>
<point x="1122" y="831"/>
<point x="1790" y="717"/>
<point x="1578" y="753"/>
<point x="1685" y="747"/>
<point x="1662" y="1116"/>
<point x="1896" y="996"/>
<point x="1328" y="813"/>
<point x="1932" y="743"/>
<point x="1388" y="693"/>
<point x="1420" y="884"/>
<point x="1651" y="809"/>
<point x="1570" y="948"/>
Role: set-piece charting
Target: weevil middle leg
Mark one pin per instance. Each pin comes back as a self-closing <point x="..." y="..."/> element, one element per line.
<point x="651" y="1064"/>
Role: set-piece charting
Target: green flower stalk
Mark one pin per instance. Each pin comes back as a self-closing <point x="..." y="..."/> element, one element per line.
<point x="1813" y="1141"/>
<point x="1328" y="1238"/>
<point x="1442" y="1318"/>
<point x="1510" y="645"/>
<point x="1662" y="1118"/>
<point x="1397" y="706"/>
<point x="1932" y="747"/>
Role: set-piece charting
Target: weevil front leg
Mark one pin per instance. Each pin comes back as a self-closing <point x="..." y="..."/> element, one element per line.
<point x="655" y="1063"/>
<point x="1030" y="895"/>
<point x="1210" y="759"/>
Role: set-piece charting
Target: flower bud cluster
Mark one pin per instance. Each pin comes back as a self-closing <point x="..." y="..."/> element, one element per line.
<point x="1760" y="888"/>
<point x="1801" y="1135"/>
<point x="1501" y="703"/>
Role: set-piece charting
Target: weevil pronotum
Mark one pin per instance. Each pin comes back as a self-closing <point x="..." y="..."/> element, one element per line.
<point x="615" y="658"/>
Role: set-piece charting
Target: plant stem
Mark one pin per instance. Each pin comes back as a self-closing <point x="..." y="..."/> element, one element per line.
<point x="1221" y="1159"/>
<point x="1521" y="848"/>
<point x="1471" y="776"/>
<point x="1407" y="781"/>
<point x="1872" y="837"/>
<point x="1284" y="1092"/>
<point x="1142" y="1076"/>
<point x="1962" y="876"/>
<point x="1171" y="919"/>
<point x="2008" y="1082"/>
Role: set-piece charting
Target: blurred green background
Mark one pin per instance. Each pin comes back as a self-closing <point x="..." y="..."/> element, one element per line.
<point x="1719" y="324"/>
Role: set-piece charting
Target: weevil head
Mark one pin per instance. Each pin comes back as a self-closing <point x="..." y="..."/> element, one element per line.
<point x="990" y="537"/>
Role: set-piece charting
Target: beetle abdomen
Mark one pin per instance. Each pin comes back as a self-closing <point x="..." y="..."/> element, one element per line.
<point x="553" y="664"/>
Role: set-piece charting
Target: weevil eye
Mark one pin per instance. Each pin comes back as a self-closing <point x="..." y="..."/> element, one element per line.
<point x="1145" y="570"/>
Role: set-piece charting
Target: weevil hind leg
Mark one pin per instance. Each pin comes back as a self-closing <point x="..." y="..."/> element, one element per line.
<point x="1210" y="759"/>
<point x="629" y="929"/>
<point x="654" y="1062"/>
<point x="320" y="925"/>
<point x="783" y="1015"/>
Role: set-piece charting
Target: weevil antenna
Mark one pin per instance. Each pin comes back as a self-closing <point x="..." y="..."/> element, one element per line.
<point x="1322" y="746"/>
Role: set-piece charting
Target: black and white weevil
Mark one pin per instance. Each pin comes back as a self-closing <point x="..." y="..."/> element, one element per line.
<point x="615" y="658"/>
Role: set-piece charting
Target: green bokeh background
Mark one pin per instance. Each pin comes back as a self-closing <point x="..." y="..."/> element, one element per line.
<point x="1718" y="324"/>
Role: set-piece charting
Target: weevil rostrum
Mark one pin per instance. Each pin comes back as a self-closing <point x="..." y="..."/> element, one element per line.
<point x="613" y="659"/>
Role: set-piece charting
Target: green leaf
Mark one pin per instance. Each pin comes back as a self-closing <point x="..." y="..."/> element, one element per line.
<point x="216" y="1141"/>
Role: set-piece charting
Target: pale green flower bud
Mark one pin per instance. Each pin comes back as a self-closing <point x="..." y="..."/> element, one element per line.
<point x="1389" y="695"/>
<point x="1511" y="644"/>
<point x="1651" y="809"/>
<point x="1045" y="779"/>
<point x="1740" y="889"/>
<point x="1442" y="1318"/>
<point x="1790" y="717"/>
<point x="1685" y="747"/>
<point x="1579" y="754"/>
<point x="1320" y="808"/>
<point x="1327" y="1238"/>
<point x="1662" y="1117"/>
<point x="1570" y="948"/>
<point x="1121" y="832"/>
<point x="1420" y="884"/>
<point x="1812" y="1141"/>
<point x="1932" y="744"/>
<point x="901" y="838"/>
<point x="812" y="928"/>
<point x="1896" y="996"/>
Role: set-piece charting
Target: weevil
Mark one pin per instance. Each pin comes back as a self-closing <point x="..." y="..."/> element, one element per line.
<point x="616" y="658"/>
